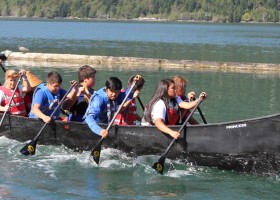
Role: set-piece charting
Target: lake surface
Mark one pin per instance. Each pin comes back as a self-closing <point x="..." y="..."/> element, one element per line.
<point x="60" y="173"/>
<point x="176" y="41"/>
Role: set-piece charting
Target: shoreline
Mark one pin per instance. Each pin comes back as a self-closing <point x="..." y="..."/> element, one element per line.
<point x="139" y="19"/>
<point x="67" y="60"/>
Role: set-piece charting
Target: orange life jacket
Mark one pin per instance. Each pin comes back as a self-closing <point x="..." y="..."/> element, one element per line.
<point x="128" y="117"/>
<point x="17" y="104"/>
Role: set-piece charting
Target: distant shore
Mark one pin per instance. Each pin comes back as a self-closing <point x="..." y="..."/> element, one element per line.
<point x="139" y="19"/>
<point x="67" y="60"/>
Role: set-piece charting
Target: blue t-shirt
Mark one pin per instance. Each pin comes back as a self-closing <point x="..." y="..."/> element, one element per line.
<point x="47" y="101"/>
<point x="179" y="99"/>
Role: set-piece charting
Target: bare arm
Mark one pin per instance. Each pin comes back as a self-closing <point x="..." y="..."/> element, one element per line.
<point x="26" y="85"/>
<point x="126" y="104"/>
<point x="188" y="105"/>
<point x="192" y="104"/>
<point x="163" y="128"/>
<point x="38" y="113"/>
<point x="72" y="97"/>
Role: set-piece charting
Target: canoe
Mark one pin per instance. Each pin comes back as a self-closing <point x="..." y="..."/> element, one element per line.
<point x="251" y="145"/>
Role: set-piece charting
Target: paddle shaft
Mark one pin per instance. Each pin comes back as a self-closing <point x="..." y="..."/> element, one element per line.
<point x="120" y="107"/>
<point x="10" y="101"/>
<point x="201" y="114"/>
<point x="3" y="68"/>
<point x="182" y="127"/>
<point x="141" y="104"/>
<point x="97" y="147"/>
<point x="57" y="107"/>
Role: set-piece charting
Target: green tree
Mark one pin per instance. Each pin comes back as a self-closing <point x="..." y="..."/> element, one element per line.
<point x="208" y="10"/>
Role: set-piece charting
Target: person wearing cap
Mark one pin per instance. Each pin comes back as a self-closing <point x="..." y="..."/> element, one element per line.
<point x="34" y="82"/>
<point x="86" y="76"/>
<point x="17" y="106"/>
<point x="47" y="97"/>
<point x="104" y="103"/>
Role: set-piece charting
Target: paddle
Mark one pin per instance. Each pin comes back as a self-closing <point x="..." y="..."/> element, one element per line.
<point x="159" y="165"/>
<point x="95" y="152"/>
<point x="3" y="68"/>
<point x="201" y="114"/>
<point x="141" y="104"/>
<point x="30" y="148"/>
<point x="10" y="101"/>
<point x="3" y="56"/>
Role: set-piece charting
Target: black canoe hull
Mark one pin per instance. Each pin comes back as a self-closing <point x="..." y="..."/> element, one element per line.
<point x="251" y="145"/>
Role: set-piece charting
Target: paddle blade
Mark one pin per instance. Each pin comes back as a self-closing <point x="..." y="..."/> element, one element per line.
<point x="29" y="148"/>
<point x="95" y="152"/>
<point x="159" y="165"/>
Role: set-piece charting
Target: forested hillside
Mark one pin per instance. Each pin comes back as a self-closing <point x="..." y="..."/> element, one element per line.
<point x="202" y="10"/>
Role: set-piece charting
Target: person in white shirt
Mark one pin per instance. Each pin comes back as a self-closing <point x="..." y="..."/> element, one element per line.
<point x="163" y="109"/>
<point x="156" y="110"/>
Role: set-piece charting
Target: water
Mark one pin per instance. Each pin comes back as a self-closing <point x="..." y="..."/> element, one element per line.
<point x="177" y="41"/>
<point x="60" y="173"/>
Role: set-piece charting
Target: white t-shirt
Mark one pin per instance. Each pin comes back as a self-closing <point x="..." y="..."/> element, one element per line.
<point x="158" y="111"/>
<point x="3" y="97"/>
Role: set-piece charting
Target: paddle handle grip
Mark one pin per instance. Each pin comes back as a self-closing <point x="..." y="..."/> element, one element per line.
<point x="201" y="114"/>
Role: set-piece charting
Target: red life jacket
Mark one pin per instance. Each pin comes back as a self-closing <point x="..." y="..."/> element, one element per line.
<point x="28" y="101"/>
<point x="128" y="117"/>
<point x="17" y="104"/>
<point x="173" y="113"/>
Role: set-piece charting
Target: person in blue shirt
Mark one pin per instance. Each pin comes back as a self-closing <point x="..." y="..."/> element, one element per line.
<point x="47" y="96"/>
<point x="104" y="103"/>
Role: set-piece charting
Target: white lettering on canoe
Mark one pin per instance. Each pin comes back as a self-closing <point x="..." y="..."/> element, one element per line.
<point x="236" y="126"/>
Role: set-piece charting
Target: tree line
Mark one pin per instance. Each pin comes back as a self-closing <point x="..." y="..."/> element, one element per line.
<point x="200" y="10"/>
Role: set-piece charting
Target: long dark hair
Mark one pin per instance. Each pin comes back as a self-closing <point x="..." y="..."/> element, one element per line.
<point x="161" y="92"/>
